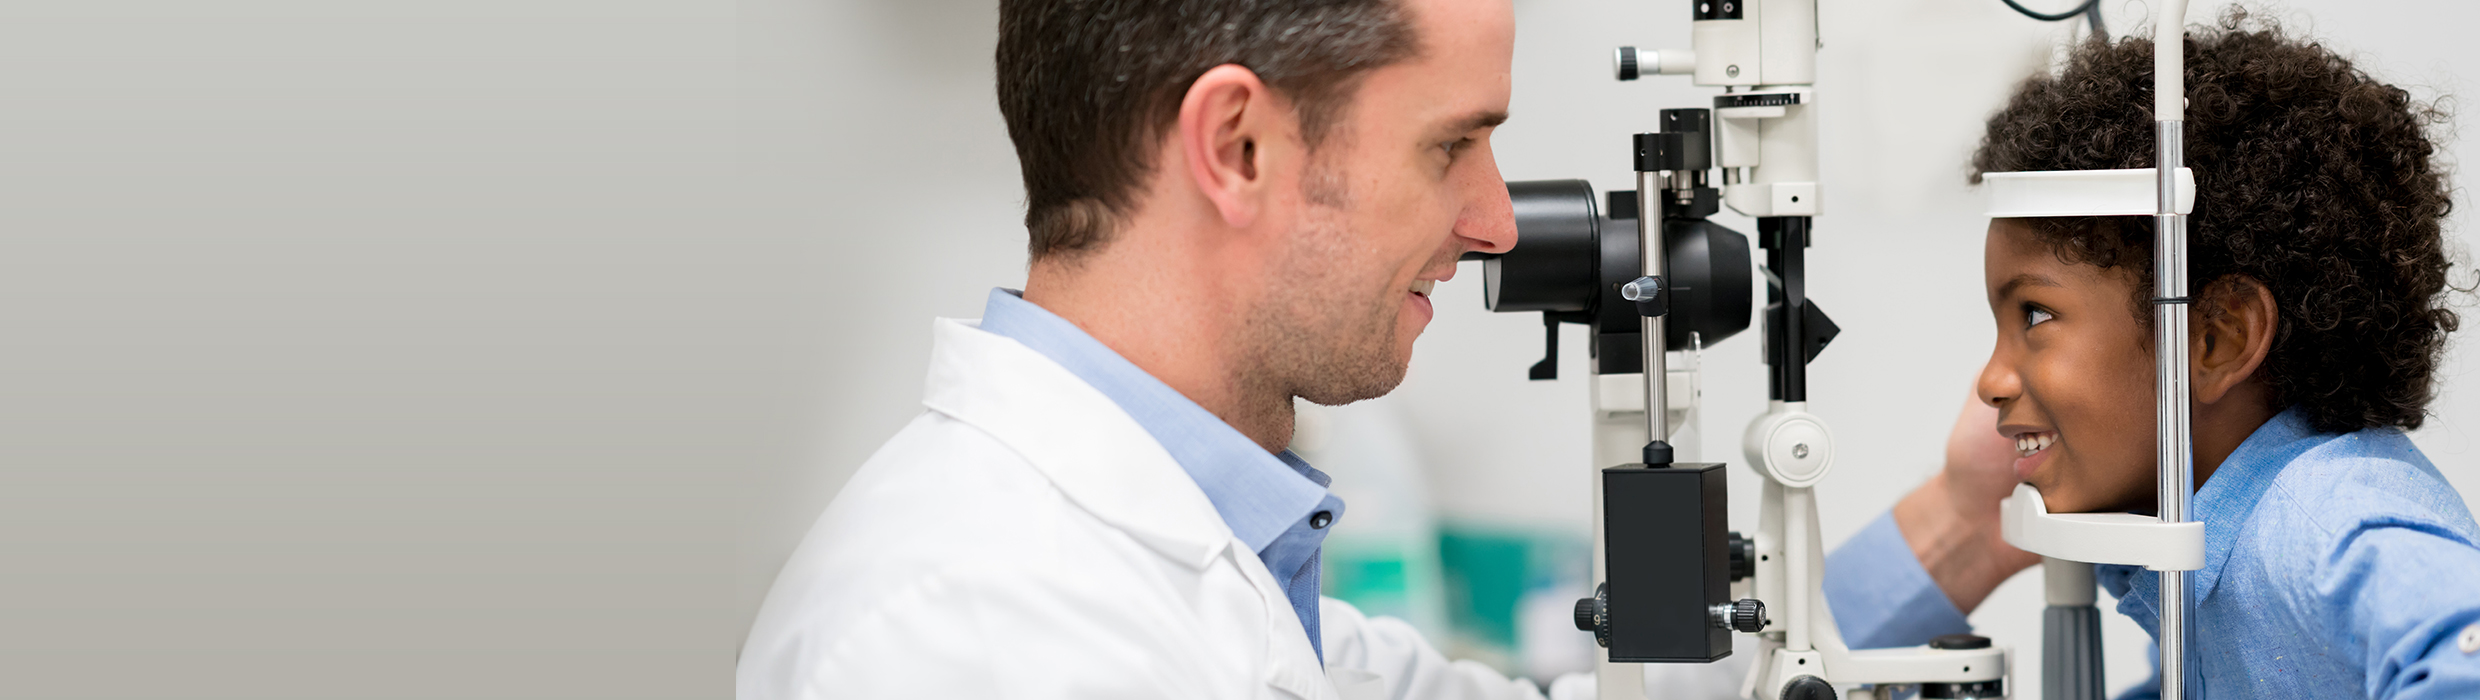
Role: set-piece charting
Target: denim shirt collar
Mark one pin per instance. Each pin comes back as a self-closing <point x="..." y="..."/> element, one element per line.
<point x="1258" y="494"/>
<point x="2223" y="504"/>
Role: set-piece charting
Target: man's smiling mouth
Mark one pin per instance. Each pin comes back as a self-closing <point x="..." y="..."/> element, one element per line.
<point x="1423" y="287"/>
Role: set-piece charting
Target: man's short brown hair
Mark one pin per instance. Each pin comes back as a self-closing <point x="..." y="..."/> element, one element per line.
<point x="1088" y="86"/>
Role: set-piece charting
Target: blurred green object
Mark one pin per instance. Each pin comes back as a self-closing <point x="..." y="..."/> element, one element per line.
<point x="1486" y="571"/>
<point x="1467" y="589"/>
<point x="1500" y="594"/>
<point x="1388" y="576"/>
<point x="1367" y="581"/>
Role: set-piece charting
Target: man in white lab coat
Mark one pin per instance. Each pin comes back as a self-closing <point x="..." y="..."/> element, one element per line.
<point x="1232" y="205"/>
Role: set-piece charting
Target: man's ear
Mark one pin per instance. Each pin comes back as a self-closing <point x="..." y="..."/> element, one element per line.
<point x="1224" y="133"/>
<point x="2234" y="326"/>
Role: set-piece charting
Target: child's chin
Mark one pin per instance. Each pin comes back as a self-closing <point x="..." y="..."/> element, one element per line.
<point x="2060" y="495"/>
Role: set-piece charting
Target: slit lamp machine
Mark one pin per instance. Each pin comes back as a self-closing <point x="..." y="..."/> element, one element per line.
<point x="1654" y="280"/>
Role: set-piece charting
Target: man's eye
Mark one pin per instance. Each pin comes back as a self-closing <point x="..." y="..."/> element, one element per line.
<point x="2035" y="317"/>
<point x="1449" y="147"/>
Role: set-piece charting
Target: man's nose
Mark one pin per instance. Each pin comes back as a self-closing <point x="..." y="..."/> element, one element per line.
<point x="1488" y="222"/>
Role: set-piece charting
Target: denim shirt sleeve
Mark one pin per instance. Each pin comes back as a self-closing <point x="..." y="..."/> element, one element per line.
<point x="2404" y="594"/>
<point x="1880" y="595"/>
<point x="2386" y="591"/>
<point x="2391" y="558"/>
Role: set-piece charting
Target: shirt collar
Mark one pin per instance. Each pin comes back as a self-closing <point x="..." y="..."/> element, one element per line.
<point x="2223" y="504"/>
<point x="1258" y="494"/>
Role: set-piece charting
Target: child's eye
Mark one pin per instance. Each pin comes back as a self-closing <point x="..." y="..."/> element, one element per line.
<point x="2034" y="316"/>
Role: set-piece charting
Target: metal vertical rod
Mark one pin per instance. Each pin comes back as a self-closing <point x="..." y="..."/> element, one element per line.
<point x="1649" y="206"/>
<point x="2175" y="466"/>
<point x="1800" y="528"/>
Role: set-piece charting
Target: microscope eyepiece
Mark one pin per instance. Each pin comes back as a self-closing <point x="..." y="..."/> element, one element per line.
<point x="1572" y="258"/>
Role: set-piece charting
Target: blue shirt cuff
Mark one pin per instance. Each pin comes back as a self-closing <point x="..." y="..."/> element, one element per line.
<point x="1880" y="595"/>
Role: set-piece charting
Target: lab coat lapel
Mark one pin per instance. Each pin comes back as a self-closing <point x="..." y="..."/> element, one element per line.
<point x="1294" y="665"/>
<point x="1110" y="466"/>
<point x="1077" y="437"/>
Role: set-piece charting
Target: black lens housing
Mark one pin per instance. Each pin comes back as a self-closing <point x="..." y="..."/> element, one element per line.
<point x="1569" y="261"/>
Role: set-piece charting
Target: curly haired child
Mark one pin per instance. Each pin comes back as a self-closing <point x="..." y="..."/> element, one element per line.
<point x="2339" y="563"/>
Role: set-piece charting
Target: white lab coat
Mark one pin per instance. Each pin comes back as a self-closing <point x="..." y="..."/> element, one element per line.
<point x="1026" y="538"/>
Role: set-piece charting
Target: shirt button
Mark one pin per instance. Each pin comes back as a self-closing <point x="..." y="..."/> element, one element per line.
<point x="1320" y="519"/>
<point x="2470" y="642"/>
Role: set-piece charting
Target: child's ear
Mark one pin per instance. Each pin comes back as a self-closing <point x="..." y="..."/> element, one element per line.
<point x="2234" y="324"/>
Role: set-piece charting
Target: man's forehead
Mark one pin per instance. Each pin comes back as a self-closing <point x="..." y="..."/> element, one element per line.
<point x="1461" y="73"/>
<point x="1476" y="22"/>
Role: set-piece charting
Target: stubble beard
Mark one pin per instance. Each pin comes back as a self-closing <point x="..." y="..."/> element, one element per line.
<point x="1325" y="335"/>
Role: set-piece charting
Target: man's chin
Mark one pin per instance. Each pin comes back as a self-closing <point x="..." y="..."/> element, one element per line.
<point x="1348" y="385"/>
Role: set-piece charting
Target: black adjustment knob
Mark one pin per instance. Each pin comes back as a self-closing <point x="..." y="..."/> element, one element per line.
<point x="1808" y="688"/>
<point x="1593" y="614"/>
<point x="1960" y="641"/>
<point x="1743" y="557"/>
<point x="1748" y="615"/>
<point x="1623" y="63"/>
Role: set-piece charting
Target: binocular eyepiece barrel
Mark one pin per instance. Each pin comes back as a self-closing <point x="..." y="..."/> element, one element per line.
<point x="1571" y="257"/>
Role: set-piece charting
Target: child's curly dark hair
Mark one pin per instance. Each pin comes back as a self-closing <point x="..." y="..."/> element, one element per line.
<point x="2312" y="178"/>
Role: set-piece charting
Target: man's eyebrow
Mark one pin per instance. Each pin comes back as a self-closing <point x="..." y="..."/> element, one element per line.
<point x="2025" y="280"/>
<point x="1475" y="121"/>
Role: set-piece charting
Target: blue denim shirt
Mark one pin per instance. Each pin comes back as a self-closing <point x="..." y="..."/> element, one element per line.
<point x="2335" y="566"/>
<point x="1275" y="503"/>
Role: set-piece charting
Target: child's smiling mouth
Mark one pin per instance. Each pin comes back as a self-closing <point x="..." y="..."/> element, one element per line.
<point x="2028" y="444"/>
<point x="2030" y="449"/>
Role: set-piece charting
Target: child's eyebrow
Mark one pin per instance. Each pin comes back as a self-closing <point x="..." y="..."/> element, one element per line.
<point x="2023" y="280"/>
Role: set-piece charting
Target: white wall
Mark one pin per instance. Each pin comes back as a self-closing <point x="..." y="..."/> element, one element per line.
<point x="917" y="190"/>
<point x="381" y="349"/>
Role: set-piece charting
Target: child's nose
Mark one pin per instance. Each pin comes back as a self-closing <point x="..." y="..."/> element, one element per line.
<point x="1998" y="383"/>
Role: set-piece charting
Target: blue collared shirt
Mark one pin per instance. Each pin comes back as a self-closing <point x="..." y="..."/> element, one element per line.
<point x="1275" y="503"/>
<point x="2335" y="566"/>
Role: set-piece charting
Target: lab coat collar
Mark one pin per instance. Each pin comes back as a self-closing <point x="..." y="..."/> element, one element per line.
<point x="1262" y="497"/>
<point x="1097" y="455"/>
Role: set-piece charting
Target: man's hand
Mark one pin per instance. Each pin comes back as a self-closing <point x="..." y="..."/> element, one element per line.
<point x="1951" y="522"/>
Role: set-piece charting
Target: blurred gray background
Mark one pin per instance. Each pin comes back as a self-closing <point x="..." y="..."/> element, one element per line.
<point x="504" y="348"/>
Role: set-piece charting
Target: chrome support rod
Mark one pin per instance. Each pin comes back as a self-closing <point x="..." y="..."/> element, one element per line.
<point x="1649" y="193"/>
<point x="2175" y="466"/>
